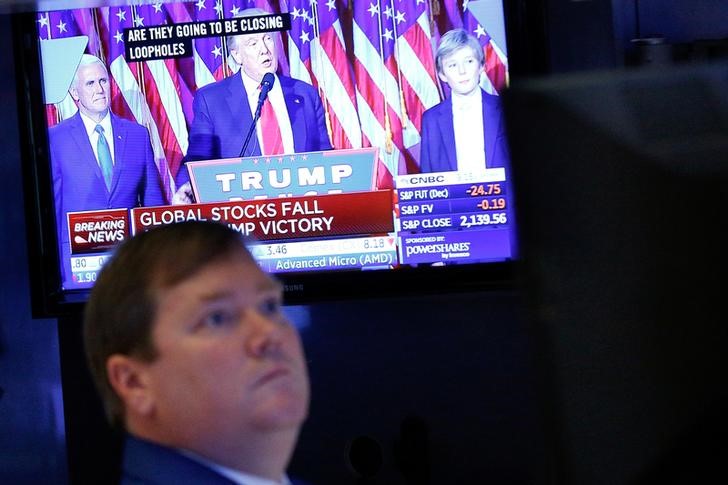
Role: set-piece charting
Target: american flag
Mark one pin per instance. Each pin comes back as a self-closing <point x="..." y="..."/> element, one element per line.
<point x="129" y="88"/>
<point x="496" y="64"/>
<point x="371" y="60"/>
<point x="395" y="76"/>
<point x="318" y="56"/>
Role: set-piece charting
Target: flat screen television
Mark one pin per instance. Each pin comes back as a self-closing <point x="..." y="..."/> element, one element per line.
<point x="364" y="218"/>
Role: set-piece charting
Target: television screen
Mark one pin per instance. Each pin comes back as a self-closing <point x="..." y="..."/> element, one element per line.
<point x="341" y="137"/>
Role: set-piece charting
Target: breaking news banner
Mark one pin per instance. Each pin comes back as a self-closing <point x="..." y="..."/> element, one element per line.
<point x="97" y="231"/>
<point x="363" y="213"/>
<point x="170" y="41"/>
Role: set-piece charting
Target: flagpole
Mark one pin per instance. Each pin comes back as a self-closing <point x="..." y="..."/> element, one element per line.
<point x="223" y="42"/>
<point x="403" y="107"/>
<point x="95" y="18"/>
<point x="319" y="61"/>
<point x="388" y="144"/>
<point x="435" y="11"/>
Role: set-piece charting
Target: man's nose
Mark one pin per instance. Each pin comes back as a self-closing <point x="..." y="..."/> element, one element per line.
<point x="461" y="68"/>
<point x="266" y="335"/>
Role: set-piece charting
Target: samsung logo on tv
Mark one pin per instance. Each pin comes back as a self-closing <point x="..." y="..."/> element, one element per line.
<point x="290" y="288"/>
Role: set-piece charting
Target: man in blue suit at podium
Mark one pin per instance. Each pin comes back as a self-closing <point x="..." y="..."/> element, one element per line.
<point x="292" y="117"/>
<point x="466" y="131"/>
<point x="193" y="357"/>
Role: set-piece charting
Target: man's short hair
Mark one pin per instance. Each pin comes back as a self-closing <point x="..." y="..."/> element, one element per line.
<point x="231" y="40"/>
<point x="87" y="60"/>
<point x="454" y="40"/>
<point x="121" y="309"/>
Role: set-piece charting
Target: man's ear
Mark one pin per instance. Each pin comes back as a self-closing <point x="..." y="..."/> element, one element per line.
<point x="442" y="77"/>
<point x="129" y="379"/>
<point x="74" y="93"/>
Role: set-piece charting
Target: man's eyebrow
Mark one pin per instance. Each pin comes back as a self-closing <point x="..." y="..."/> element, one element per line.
<point x="270" y="285"/>
<point x="215" y="296"/>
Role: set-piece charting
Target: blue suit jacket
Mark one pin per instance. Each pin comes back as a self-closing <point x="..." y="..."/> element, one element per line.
<point x="438" y="136"/>
<point x="222" y="118"/>
<point x="151" y="464"/>
<point x="78" y="184"/>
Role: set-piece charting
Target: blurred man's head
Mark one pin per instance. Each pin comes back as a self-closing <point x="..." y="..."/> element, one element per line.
<point x="90" y="87"/>
<point x="256" y="53"/>
<point x="188" y="345"/>
<point x="460" y="61"/>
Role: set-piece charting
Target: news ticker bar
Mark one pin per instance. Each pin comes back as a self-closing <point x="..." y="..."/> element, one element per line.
<point x="315" y="216"/>
<point x="360" y="213"/>
<point x="459" y="191"/>
<point x="346" y="253"/>
<point x="452" y="206"/>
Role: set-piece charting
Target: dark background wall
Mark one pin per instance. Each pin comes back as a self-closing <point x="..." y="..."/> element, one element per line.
<point x="32" y="443"/>
<point x="453" y="372"/>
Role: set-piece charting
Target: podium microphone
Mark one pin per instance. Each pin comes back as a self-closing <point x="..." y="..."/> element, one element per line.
<point x="265" y="86"/>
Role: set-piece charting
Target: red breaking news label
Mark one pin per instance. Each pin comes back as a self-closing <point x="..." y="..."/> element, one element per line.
<point x="97" y="231"/>
<point x="284" y="218"/>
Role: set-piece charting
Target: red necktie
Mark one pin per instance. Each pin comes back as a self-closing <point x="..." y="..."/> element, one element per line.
<point x="272" y="140"/>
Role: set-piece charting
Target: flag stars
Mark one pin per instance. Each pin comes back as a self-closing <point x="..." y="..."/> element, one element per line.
<point x="62" y="26"/>
<point x="118" y="37"/>
<point x="296" y="13"/>
<point x="388" y="12"/>
<point x="304" y="37"/>
<point x="420" y="2"/>
<point x="200" y="5"/>
<point x="235" y="11"/>
<point x="399" y="17"/>
<point x="139" y="21"/>
<point x="218" y="7"/>
<point x="388" y="34"/>
<point x="43" y="20"/>
<point x="157" y="7"/>
<point x="465" y="5"/>
<point x="331" y="5"/>
<point x="217" y="51"/>
<point x="121" y="14"/>
<point x="479" y="31"/>
<point x="373" y="9"/>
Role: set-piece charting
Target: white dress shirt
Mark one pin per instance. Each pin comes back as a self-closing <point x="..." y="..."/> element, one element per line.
<point x="467" y="121"/>
<point x="234" y="475"/>
<point x="93" y="135"/>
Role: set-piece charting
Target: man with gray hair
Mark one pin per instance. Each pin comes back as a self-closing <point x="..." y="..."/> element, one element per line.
<point x="466" y="131"/>
<point x="98" y="160"/>
<point x="292" y="117"/>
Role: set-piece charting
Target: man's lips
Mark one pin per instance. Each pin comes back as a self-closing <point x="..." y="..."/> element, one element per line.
<point x="272" y="375"/>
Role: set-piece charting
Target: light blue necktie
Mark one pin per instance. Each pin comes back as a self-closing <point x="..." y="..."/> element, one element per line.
<point x="107" y="165"/>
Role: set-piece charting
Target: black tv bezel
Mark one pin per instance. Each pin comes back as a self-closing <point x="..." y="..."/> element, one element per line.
<point x="525" y="39"/>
